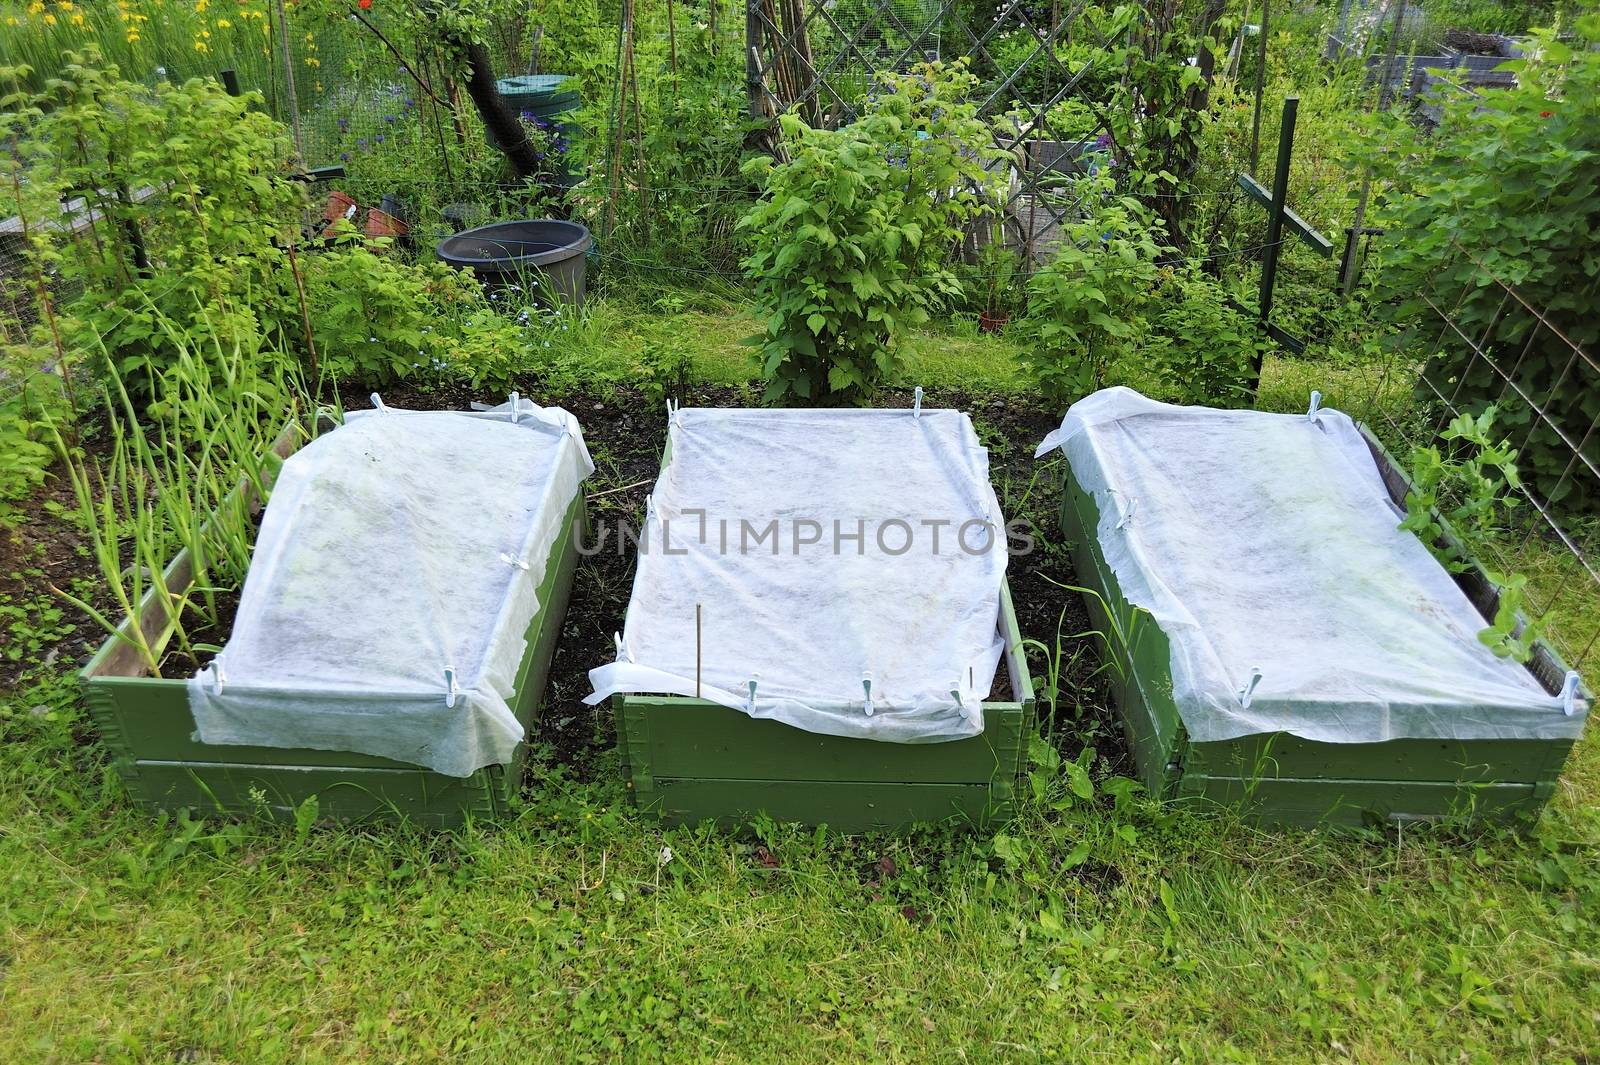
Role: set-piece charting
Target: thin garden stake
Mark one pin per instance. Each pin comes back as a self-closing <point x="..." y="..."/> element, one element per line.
<point x="288" y="83"/>
<point x="697" y="613"/>
<point x="1261" y="75"/>
<point x="672" y="35"/>
<point x="1352" y="270"/>
<point x="305" y="314"/>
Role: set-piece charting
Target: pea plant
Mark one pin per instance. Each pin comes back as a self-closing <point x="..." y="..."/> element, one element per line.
<point x="852" y="240"/>
<point x="1458" y="497"/>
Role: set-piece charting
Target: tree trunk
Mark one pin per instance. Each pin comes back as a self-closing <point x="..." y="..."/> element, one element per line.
<point x="503" y="126"/>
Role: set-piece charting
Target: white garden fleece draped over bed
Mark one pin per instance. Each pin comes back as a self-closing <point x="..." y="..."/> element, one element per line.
<point x="847" y="565"/>
<point x="394" y="580"/>
<point x="1267" y="549"/>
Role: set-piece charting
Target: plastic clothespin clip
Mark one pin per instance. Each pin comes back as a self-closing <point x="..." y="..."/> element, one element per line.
<point x="1316" y="402"/>
<point x="511" y="560"/>
<point x="1248" y="691"/>
<point x="866" y="692"/>
<point x="450" y="688"/>
<point x="516" y="407"/>
<point x="1569" y="693"/>
<point x="961" y="706"/>
<point x="916" y="403"/>
<point x="219" y="678"/>
<point x="623" y="655"/>
<point x="377" y="402"/>
<point x="750" y="702"/>
<point x="1127" y="513"/>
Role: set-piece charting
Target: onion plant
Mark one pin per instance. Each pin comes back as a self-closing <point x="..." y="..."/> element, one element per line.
<point x="185" y="473"/>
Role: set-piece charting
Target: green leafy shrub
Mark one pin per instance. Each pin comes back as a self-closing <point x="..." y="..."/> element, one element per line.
<point x="852" y="241"/>
<point x="1086" y="308"/>
<point x="190" y="192"/>
<point x="1514" y="184"/>
<point x="1202" y="349"/>
<point x="378" y="320"/>
<point x="25" y="448"/>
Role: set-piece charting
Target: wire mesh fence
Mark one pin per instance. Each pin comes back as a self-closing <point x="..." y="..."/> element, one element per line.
<point x="1481" y="344"/>
<point x="822" y="58"/>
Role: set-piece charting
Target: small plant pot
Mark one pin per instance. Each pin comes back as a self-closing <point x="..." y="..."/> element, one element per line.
<point x="339" y="203"/>
<point x="993" y="323"/>
<point x="383" y="224"/>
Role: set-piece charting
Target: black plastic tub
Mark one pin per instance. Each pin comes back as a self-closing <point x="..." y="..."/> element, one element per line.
<point x="544" y="250"/>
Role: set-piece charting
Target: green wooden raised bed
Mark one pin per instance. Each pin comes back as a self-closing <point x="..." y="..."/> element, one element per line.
<point x="146" y="725"/>
<point x="1279" y="778"/>
<point x="690" y="761"/>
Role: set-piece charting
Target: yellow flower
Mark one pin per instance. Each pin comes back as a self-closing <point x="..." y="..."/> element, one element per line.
<point x="78" y="19"/>
<point x="224" y="24"/>
<point x="35" y="7"/>
<point x="65" y="5"/>
<point x="133" y="36"/>
<point x="200" y="6"/>
<point x="49" y="20"/>
<point x="201" y="46"/>
<point x="11" y="20"/>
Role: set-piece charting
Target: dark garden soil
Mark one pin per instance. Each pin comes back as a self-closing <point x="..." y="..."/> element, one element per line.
<point x="624" y="432"/>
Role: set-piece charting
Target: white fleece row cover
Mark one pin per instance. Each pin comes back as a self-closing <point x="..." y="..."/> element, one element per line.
<point x="1267" y="543"/>
<point x="850" y="569"/>
<point x="394" y="580"/>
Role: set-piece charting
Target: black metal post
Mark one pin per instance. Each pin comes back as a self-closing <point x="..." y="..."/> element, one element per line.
<point x="230" y="81"/>
<point x="1280" y="193"/>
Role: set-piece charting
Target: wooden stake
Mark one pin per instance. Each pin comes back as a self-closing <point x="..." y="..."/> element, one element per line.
<point x="697" y="612"/>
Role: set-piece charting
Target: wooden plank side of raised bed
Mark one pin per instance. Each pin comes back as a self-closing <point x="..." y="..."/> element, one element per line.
<point x="344" y="793"/>
<point x="1309" y="803"/>
<point x="678" y="737"/>
<point x="845" y="806"/>
<point x="544" y="633"/>
<point x="1141" y="681"/>
<point x="1474" y="761"/>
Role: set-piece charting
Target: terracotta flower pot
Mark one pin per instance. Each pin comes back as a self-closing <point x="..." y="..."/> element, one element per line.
<point x="381" y="223"/>
<point x="338" y="203"/>
<point x="993" y="323"/>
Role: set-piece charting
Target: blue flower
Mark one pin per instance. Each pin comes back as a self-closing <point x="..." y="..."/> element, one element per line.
<point x="380" y="138"/>
<point x="389" y="119"/>
<point x="344" y="157"/>
<point x="362" y="144"/>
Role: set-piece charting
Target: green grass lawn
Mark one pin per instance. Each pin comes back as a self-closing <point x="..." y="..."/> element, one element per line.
<point x="1096" y="929"/>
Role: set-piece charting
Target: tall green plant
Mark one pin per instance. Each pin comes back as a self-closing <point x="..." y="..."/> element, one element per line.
<point x="180" y="476"/>
<point x="852" y="242"/>
<point x="1511" y="181"/>
<point x="178" y="200"/>
<point x="1085" y="309"/>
